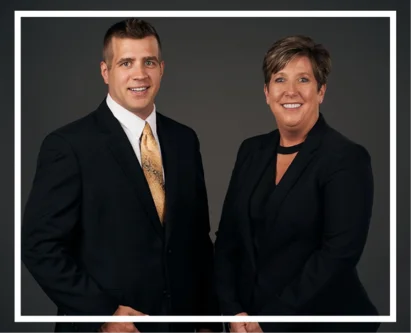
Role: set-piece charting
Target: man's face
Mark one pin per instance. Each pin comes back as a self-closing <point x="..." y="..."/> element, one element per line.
<point x="135" y="74"/>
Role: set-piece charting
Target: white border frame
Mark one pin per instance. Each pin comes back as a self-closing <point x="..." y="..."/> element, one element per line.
<point x="18" y="15"/>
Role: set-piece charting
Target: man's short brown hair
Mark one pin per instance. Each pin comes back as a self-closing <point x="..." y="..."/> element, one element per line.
<point x="285" y="49"/>
<point x="130" y="28"/>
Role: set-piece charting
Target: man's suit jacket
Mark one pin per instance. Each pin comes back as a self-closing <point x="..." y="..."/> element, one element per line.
<point x="91" y="235"/>
<point x="302" y="258"/>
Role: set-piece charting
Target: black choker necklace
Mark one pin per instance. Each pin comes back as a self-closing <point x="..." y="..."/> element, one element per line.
<point x="289" y="150"/>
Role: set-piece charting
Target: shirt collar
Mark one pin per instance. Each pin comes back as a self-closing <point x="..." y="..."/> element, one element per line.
<point x="130" y="121"/>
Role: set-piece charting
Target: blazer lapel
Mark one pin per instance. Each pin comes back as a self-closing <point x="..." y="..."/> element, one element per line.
<point x="256" y="166"/>
<point x="294" y="171"/>
<point x="169" y="153"/>
<point x="119" y="145"/>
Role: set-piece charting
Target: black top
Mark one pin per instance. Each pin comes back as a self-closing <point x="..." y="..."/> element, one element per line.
<point x="289" y="150"/>
<point x="266" y="187"/>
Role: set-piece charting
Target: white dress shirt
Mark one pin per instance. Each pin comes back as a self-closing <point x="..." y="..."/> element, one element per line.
<point x="133" y="125"/>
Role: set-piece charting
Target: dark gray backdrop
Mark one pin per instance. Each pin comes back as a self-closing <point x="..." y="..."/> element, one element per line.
<point x="213" y="83"/>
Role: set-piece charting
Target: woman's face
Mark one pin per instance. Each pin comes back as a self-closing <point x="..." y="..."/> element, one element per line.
<point x="293" y="95"/>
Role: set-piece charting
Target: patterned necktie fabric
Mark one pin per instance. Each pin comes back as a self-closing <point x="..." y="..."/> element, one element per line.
<point x="153" y="169"/>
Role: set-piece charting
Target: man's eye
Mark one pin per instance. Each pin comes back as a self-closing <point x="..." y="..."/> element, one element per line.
<point x="149" y="62"/>
<point x="126" y="64"/>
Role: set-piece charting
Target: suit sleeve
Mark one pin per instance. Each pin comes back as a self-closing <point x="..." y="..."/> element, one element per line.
<point x="207" y="301"/>
<point x="227" y="247"/>
<point x="51" y="217"/>
<point x="347" y="192"/>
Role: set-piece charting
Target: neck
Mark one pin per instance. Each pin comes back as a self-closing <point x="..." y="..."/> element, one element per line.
<point x="288" y="139"/>
<point x="291" y="137"/>
<point x="142" y="114"/>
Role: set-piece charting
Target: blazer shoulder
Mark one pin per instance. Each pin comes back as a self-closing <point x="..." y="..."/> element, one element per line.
<point x="249" y="145"/>
<point x="255" y="142"/>
<point x="338" y="147"/>
<point x="76" y="134"/>
<point x="77" y="127"/>
<point x="176" y="126"/>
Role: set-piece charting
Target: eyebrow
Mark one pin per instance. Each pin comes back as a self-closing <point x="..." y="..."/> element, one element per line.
<point x="301" y="73"/>
<point x="121" y="60"/>
<point x="151" y="58"/>
<point x="129" y="59"/>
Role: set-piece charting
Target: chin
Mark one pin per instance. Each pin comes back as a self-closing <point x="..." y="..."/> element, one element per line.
<point x="291" y="121"/>
<point x="139" y="105"/>
<point x="291" y="126"/>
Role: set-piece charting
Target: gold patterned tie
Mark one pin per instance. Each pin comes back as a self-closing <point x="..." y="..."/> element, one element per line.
<point x="153" y="170"/>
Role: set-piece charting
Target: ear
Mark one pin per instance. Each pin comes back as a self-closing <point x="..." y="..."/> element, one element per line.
<point x="266" y="92"/>
<point x="162" y="64"/>
<point x="104" y="71"/>
<point x="321" y="93"/>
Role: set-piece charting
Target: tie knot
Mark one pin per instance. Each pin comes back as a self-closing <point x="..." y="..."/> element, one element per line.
<point x="147" y="130"/>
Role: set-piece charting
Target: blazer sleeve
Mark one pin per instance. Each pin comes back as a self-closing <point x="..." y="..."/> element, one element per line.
<point x="51" y="217"/>
<point x="347" y="194"/>
<point x="206" y="296"/>
<point x="227" y="245"/>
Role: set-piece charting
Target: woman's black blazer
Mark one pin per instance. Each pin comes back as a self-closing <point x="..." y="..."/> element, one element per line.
<point x="302" y="258"/>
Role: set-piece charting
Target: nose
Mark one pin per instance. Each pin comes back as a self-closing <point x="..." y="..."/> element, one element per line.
<point x="290" y="88"/>
<point x="139" y="72"/>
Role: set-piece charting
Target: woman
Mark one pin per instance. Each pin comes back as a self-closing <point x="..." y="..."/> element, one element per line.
<point x="297" y="212"/>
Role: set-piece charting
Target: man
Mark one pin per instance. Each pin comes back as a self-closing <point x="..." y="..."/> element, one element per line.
<point x="117" y="220"/>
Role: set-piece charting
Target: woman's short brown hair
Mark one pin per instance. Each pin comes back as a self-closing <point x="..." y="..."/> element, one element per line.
<point x="285" y="49"/>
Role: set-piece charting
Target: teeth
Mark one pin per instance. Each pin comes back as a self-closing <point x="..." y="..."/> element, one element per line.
<point x="291" y="106"/>
<point x="139" y="89"/>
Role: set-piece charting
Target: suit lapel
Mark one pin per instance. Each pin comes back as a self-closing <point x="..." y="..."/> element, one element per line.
<point x="169" y="153"/>
<point x="119" y="145"/>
